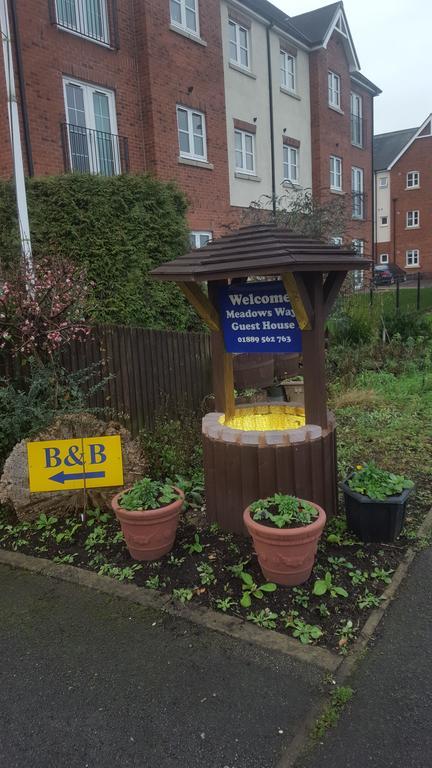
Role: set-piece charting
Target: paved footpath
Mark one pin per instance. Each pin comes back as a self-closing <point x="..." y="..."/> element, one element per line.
<point x="89" y="681"/>
<point x="388" y="723"/>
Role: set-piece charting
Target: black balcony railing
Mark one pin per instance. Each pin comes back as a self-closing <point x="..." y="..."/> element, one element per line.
<point x="357" y="130"/>
<point x="95" y="19"/>
<point x="90" y="151"/>
<point x="358" y="205"/>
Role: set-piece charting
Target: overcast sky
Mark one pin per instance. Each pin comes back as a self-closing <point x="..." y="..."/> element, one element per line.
<point x="393" y="42"/>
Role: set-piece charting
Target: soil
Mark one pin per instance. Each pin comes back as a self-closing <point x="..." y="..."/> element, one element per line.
<point x="179" y="569"/>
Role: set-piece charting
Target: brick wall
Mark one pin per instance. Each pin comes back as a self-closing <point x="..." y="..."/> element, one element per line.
<point x="416" y="158"/>
<point x="331" y="134"/>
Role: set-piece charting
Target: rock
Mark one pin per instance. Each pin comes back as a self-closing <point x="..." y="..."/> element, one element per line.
<point x="14" y="484"/>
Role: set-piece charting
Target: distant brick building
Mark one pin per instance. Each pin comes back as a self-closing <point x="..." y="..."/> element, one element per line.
<point x="232" y="99"/>
<point x="403" y="179"/>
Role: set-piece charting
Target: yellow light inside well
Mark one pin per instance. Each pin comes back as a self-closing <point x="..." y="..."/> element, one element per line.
<point x="265" y="417"/>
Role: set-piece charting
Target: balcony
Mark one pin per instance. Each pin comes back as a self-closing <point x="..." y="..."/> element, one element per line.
<point x="94" y="19"/>
<point x="358" y="205"/>
<point x="357" y="131"/>
<point x="91" y="151"/>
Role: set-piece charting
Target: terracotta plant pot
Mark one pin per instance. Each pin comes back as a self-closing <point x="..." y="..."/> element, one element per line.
<point x="286" y="555"/>
<point x="150" y="533"/>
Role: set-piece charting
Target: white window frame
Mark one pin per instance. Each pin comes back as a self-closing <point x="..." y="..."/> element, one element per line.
<point x="383" y="182"/>
<point x="336" y="162"/>
<point x="88" y="91"/>
<point x="82" y="29"/>
<point x="195" y="238"/>
<point x="183" y="23"/>
<point x="288" y="73"/>
<point x="356" y="114"/>
<point x="384" y="223"/>
<point x="336" y="240"/>
<point x="415" y="219"/>
<point x="192" y="155"/>
<point x="334" y="90"/>
<point x="243" y="168"/>
<point x="290" y="163"/>
<point x="414" y="255"/>
<point x="237" y="60"/>
<point x="384" y="258"/>
<point x="413" y="176"/>
<point x="357" y="188"/>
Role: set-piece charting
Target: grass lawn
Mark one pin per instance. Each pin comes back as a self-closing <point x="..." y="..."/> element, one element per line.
<point x="386" y="298"/>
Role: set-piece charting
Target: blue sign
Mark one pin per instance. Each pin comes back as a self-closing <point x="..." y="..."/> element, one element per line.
<point x="258" y="317"/>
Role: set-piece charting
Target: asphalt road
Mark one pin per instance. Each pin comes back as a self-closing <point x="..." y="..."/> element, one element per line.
<point x="87" y="681"/>
<point x="388" y="723"/>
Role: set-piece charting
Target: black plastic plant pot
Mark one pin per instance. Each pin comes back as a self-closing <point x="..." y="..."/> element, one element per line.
<point x="374" y="520"/>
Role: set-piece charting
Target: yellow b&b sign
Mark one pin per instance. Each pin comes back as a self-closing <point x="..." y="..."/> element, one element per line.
<point x="66" y="465"/>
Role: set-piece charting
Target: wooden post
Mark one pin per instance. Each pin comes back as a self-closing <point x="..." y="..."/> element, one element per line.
<point x="222" y="363"/>
<point x="314" y="354"/>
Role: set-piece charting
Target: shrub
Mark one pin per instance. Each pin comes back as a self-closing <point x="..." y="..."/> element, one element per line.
<point x="408" y="325"/>
<point x="119" y="228"/>
<point x="173" y="446"/>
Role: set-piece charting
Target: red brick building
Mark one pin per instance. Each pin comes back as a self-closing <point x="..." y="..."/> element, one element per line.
<point x="109" y="87"/>
<point x="403" y="177"/>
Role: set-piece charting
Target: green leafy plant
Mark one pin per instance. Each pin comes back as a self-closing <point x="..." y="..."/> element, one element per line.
<point x="380" y="574"/>
<point x="301" y="597"/>
<point x="43" y="522"/>
<point x="250" y="589"/>
<point x="339" y="562"/>
<point x="176" y="562"/>
<point x="225" y="604"/>
<point x="288" y="617"/>
<point x="182" y="594"/>
<point x="67" y="559"/>
<point x="121" y="574"/>
<point x="238" y="568"/>
<point x="96" y="537"/>
<point x="283" y="511"/>
<point x="368" y="600"/>
<point x="369" y="480"/>
<point x="326" y="584"/>
<point x="346" y="633"/>
<point x="148" y="494"/>
<point x="323" y="610"/>
<point x="339" y="697"/>
<point x="264" y="618"/>
<point x="207" y="574"/>
<point x="304" y="632"/>
<point x="358" y="577"/>
<point x="195" y="547"/>
<point x="214" y="528"/>
<point x="155" y="582"/>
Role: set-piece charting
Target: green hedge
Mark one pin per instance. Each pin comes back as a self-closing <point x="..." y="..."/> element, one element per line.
<point x="120" y="228"/>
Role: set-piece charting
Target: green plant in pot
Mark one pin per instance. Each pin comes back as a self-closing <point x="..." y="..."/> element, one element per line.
<point x="148" y="514"/>
<point x="285" y="531"/>
<point x="375" y="502"/>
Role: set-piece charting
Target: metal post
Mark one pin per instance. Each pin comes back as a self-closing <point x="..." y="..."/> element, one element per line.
<point x="371" y="295"/>
<point x="397" y="295"/>
<point x="14" y="127"/>
<point x="418" y="290"/>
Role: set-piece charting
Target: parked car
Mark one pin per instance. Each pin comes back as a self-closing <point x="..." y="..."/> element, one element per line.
<point x="387" y="274"/>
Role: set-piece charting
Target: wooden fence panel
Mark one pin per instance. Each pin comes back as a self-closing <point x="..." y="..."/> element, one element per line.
<point x="143" y="370"/>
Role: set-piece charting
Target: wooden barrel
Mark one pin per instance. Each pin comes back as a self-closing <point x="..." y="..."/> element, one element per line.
<point x="242" y="466"/>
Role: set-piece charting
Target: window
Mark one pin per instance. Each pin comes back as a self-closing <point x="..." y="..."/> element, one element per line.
<point x="288" y="71"/>
<point x="413" y="179"/>
<point x="84" y="17"/>
<point x="357" y="193"/>
<point x="336" y="240"/>
<point x="384" y="221"/>
<point x="384" y="258"/>
<point x="184" y="13"/>
<point x="413" y="219"/>
<point x="91" y="129"/>
<point x="383" y="182"/>
<point x="412" y="258"/>
<point x="191" y="134"/>
<point x="238" y="44"/>
<point x="356" y="120"/>
<point x="244" y="152"/>
<point x="290" y="164"/>
<point x="334" y="90"/>
<point x="335" y="173"/>
<point x="200" y="239"/>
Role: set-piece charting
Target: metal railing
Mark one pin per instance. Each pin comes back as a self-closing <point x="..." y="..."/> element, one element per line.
<point x="90" y="151"/>
<point x="89" y="18"/>
<point x="358" y="205"/>
<point x="357" y="130"/>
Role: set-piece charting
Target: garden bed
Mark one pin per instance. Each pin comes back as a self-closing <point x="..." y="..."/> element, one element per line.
<point x="205" y="568"/>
